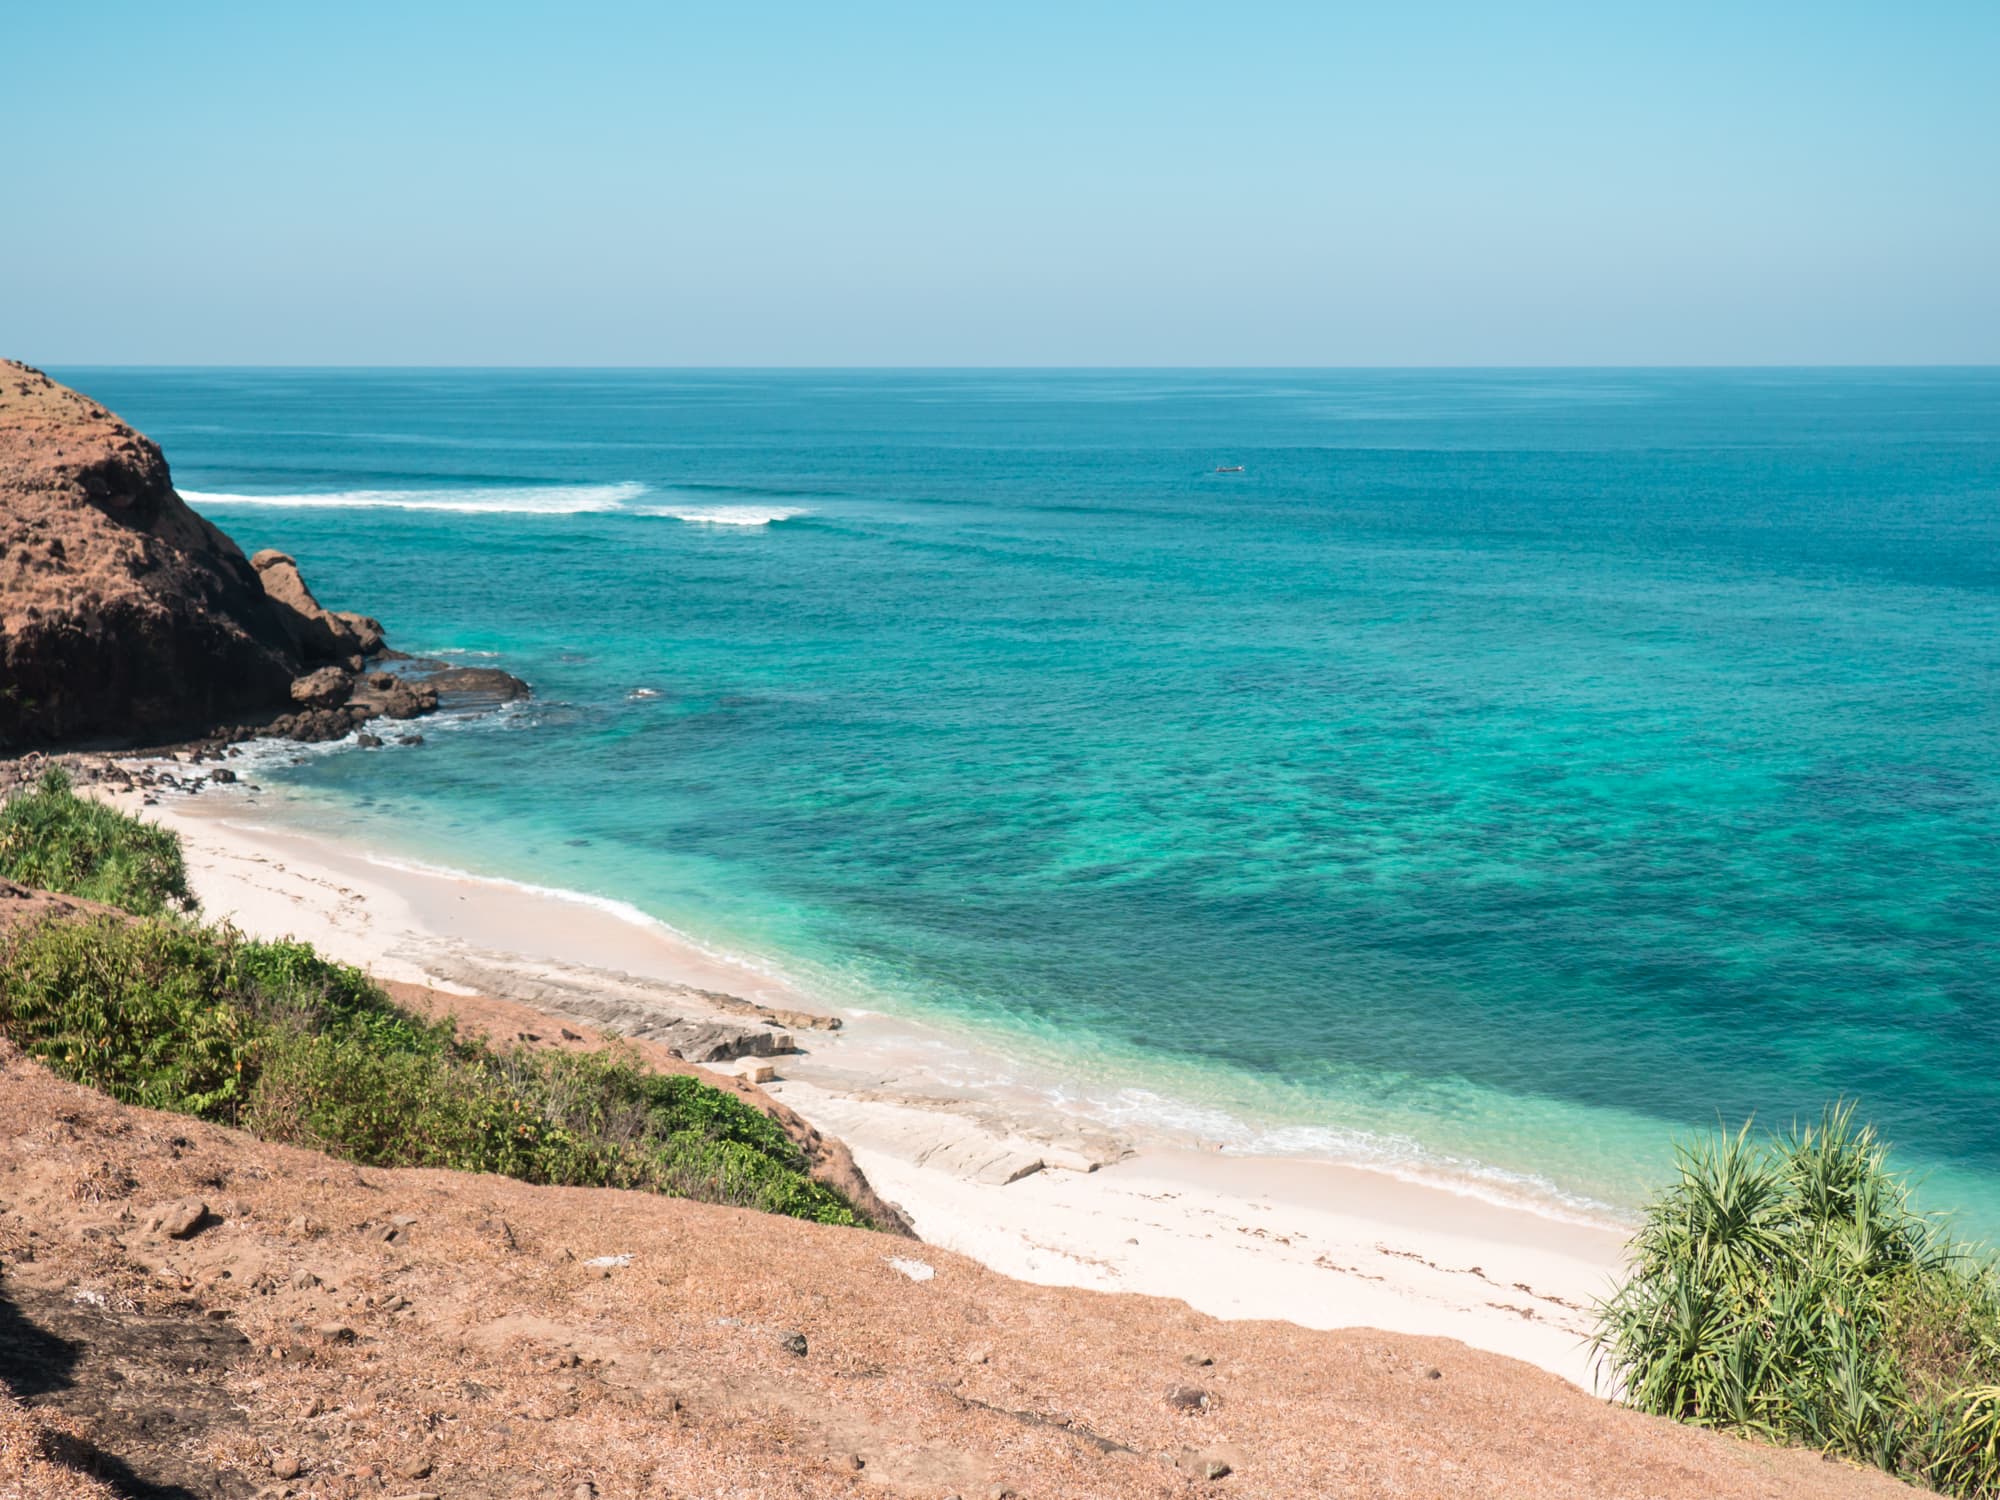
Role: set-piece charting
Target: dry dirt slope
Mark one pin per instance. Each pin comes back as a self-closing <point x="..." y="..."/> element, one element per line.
<point x="425" y="1333"/>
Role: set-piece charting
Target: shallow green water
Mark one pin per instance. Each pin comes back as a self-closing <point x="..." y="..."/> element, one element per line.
<point x="1503" y="772"/>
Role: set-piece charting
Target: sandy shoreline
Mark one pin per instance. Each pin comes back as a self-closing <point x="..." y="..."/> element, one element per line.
<point x="1315" y="1243"/>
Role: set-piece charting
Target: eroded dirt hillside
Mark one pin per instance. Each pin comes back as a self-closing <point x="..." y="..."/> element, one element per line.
<point x="185" y="1311"/>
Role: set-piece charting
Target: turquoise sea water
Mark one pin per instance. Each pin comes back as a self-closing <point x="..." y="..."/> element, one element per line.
<point x="1504" y="772"/>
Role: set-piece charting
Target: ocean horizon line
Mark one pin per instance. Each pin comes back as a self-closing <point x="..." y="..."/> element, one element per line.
<point x="631" y="368"/>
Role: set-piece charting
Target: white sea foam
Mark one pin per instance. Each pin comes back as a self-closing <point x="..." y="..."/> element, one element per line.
<point x="624" y="911"/>
<point x="276" y="752"/>
<point x="1143" y="1113"/>
<point x="519" y="499"/>
<point x="724" y="515"/>
<point x="259" y="755"/>
<point x="1409" y="1161"/>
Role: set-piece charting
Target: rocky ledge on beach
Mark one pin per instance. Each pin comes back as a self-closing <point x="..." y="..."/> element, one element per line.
<point x="127" y="618"/>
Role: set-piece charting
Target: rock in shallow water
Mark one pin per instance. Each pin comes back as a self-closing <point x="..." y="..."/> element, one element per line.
<point x="472" y="687"/>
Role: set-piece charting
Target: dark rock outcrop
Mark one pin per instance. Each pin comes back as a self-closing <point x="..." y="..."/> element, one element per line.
<point x="327" y="687"/>
<point x="386" y="696"/>
<point x="125" y="617"/>
<point x="320" y="634"/>
<point x="123" y="614"/>
<point x="315" y="726"/>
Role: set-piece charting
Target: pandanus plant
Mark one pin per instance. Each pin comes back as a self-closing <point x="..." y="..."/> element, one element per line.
<point x="1788" y="1287"/>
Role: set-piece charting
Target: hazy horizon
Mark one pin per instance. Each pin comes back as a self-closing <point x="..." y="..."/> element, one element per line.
<point x="1294" y="187"/>
<point x="948" y="369"/>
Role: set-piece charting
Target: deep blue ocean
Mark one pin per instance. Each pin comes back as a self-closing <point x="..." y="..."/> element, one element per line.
<point x="1502" y="774"/>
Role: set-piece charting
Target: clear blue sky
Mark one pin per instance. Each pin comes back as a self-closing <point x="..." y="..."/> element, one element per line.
<point x="1019" y="183"/>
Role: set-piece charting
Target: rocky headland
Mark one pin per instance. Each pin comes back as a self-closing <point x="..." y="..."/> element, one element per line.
<point x="126" y="618"/>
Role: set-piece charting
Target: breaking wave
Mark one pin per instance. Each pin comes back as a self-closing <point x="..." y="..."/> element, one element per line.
<point x="521" y="499"/>
<point x="524" y="499"/>
<point x="725" y="515"/>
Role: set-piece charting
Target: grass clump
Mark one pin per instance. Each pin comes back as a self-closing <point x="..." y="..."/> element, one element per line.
<point x="1789" y="1288"/>
<point x="55" y="840"/>
<point x="275" y="1039"/>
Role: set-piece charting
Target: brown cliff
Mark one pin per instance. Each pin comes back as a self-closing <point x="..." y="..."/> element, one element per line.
<point x="123" y="614"/>
<point x="126" y="618"/>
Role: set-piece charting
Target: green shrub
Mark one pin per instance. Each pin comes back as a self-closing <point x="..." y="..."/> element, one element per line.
<point x="143" y="1011"/>
<point x="1789" y="1288"/>
<point x="278" y="1040"/>
<point x="54" y="840"/>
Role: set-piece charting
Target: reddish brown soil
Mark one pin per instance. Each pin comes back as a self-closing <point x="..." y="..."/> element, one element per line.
<point x="429" y="1333"/>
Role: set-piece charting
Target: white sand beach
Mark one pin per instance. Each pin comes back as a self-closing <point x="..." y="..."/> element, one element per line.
<point x="994" y="1170"/>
